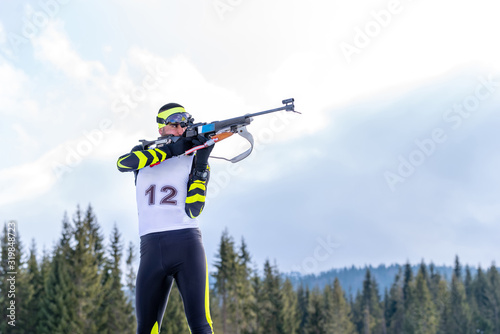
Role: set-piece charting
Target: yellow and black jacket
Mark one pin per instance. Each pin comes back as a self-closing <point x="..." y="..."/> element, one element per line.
<point x="141" y="157"/>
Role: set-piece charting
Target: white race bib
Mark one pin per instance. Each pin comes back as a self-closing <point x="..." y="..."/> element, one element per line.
<point x="161" y="193"/>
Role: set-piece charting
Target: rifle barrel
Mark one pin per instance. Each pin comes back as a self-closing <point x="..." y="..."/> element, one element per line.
<point x="287" y="107"/>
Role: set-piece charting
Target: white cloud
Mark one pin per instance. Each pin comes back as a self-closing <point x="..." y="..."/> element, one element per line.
<point x="3" y="37"/>
<point x="483" y="213"/>
<point x="421" y="41"/>
<point x="13" y="97"/>
<point x="107" y="49"/>
<point x="24" y="138"/>
<point x="54" y="47"/>
<point x="25" y="182"/>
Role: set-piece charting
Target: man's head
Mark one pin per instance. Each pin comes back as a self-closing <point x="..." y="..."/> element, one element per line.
<point x="172" y="119"/>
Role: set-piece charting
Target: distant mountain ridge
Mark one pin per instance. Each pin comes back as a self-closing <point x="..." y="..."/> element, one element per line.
<point x="351" y="279"/>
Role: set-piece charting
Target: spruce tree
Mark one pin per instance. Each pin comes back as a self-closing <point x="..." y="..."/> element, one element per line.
<point x="459" y="316"/>
<point x="327" y="307"/>
<point x="368" y="313"/>
<point x="338" y="312"/>
<point x="215" y="312"/>
<point x="73" y="289"/>
<point x="457" y="270"/>
<point x="24" y="294"/>
<point x="421" y="317"/>
<point x="130" y="276"/>
<point x="45" y="270"/>
<point x="226" y="265"/>
<point x="442" y="304"/>
<point x="468" y="283"/>
<point x="245" y="299"/>
<point x="494" y="296"/>
<point x="407" y="281"/>
<point x="257" y="306"/>
<point x="30" y="316"/>
<point x="289" y="312"/>
<point x="116" y="311"/>
<point x="470" y="297"/>
<point x="87" y="264"/>
<point x="395" y="310"/>
<point x="483" y="313"/>
<point x="303" y="302"/>
<point x="58" y="313"/>
<point x="272" y="300"/>
<point x="315" y="323"/>
<point x="435" y="280"/>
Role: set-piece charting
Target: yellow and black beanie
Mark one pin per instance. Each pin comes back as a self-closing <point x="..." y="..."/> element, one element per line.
<point x="171" y="113"/>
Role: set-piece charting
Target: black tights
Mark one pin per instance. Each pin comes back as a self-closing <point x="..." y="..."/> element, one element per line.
<point x="166" y="256"/>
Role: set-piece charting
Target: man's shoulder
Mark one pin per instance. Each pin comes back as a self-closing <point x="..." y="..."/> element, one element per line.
<point x="137" y="148"/>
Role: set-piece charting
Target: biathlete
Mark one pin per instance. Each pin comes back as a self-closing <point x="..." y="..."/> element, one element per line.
<point x="170" y="193"/>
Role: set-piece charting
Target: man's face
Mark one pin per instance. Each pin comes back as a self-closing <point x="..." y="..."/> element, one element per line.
<point x="172" y="129"/>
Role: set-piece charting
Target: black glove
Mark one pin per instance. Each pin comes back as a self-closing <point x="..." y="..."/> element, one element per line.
<point x="179" y="147"/>
<point x="203" y="154"/>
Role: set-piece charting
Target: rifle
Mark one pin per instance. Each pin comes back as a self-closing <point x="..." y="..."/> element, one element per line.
<point x="220" y="130"/>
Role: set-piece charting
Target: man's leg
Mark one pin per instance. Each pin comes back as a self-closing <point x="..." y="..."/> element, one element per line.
<point x="192" y="281"/>
<point x="152" y="288"/>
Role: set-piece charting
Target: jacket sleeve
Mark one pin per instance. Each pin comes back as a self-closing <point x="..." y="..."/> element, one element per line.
<point x="139" y="158"/>
<point x="196" y="193"/>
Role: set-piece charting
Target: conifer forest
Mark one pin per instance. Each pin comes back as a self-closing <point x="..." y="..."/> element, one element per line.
<point x="85" y="284"/>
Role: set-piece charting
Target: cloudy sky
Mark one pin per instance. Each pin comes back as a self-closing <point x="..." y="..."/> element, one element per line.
<point x="393" y="159"/>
